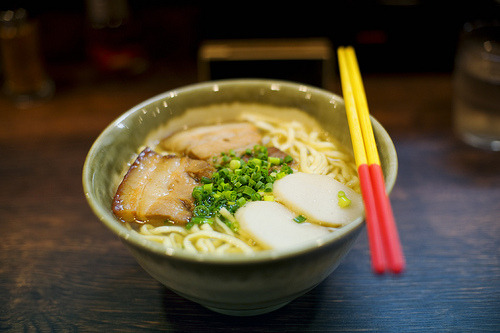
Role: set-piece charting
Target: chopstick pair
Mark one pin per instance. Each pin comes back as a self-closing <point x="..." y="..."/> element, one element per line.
<point x="385" y="247"/>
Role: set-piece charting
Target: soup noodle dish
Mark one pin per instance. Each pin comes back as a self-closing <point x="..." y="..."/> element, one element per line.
<point x="247" y="178"/>
<point x="240" y="195"/>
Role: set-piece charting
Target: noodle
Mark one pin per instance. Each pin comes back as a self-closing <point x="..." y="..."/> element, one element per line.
<point x="314" y="154"/>
<point x="200" y="241"/>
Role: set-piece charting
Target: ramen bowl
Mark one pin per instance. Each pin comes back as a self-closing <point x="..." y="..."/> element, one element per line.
<point x="237" y="284"/>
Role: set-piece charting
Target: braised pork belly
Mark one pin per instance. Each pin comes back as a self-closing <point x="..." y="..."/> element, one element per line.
<point x="158" y="188"/>
<point x="208" y="141"/>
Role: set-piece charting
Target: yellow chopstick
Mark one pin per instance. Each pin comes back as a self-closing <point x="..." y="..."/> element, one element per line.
<point x="362" y="106"/>
<point x="384" y="240"/>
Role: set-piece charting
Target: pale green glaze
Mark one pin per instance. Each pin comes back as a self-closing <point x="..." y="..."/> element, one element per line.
<point x="233" y="285"/>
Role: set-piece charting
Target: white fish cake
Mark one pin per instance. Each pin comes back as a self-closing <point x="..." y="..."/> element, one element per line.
<point x="316" y="197"/>
<point x="271" y="225"/>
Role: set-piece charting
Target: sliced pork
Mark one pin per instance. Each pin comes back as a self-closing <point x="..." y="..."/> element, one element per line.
<point x="159" y="188"/>
<point x="208" y="141"/>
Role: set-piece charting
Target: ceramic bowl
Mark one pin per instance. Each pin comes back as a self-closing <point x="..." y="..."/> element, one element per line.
<point x="233" y="285"/>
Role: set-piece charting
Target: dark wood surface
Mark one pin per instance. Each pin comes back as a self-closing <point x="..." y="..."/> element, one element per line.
<point x="61" y="270"/>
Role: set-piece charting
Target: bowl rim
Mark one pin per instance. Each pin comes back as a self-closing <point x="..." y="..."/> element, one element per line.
<point x="134" y="239"/>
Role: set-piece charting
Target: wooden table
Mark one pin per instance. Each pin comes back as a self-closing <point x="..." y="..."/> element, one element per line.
<point x="61" y="270"/>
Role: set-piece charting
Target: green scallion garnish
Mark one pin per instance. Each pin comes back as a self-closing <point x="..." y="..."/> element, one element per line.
<point x="300" y="219"/>
<point x="344" y="201"/>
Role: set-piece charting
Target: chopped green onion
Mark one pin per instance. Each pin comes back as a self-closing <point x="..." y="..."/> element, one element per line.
<point x="268" y="187"/>
<point x="208" y="187"/>
<point x="274" y="160"/>
<point x="248" y="190"/>
<point x="344" y="201"/>
<point x="201" y="210"/>
<point x="198" y="220"/>
<point x="256" y="196"/>
<point x="244" y="179"/>
<point x="235" y="164"/>
<point x="241" y="201"/>
<point x="198" y="193"/>
<point x="206" y="180"/>
<point x="300" y="219"/>
<point x="268" y="197"/>
<point x="256" y="161"/>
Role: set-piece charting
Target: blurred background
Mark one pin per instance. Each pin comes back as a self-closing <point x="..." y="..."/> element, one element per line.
<point x="106" y="38"/>
<point x="389" y="35"/>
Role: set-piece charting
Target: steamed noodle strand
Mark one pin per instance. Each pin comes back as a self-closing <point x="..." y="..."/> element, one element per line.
<point x="202" y="239"/>
<point x="313" y="153"/>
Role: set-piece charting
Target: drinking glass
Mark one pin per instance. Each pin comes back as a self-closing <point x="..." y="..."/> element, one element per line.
<point x="25" y="79"/>
<point x="476" y="84"/>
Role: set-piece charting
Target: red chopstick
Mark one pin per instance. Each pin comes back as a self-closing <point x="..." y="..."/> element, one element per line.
<point x="385" y="247"/>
